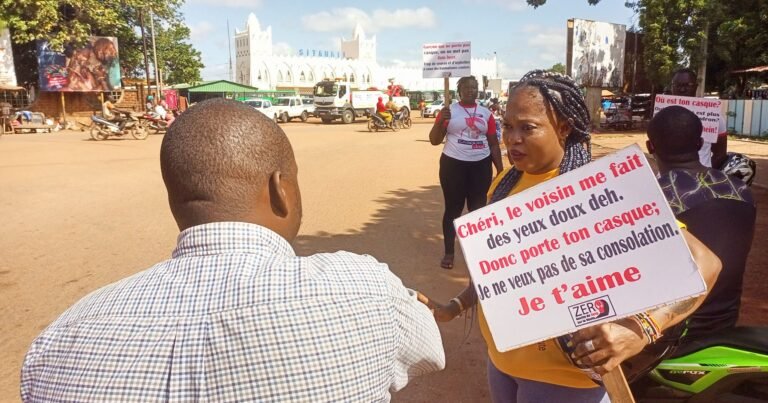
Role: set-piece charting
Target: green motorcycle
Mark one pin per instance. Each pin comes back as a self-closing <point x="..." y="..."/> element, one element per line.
<point x="728" y="366"/>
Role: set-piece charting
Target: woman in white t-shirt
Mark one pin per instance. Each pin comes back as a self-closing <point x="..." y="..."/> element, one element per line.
<point x="471" y="145"/>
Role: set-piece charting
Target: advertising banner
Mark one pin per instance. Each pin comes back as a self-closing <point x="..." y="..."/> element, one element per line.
<point x="452" y="59"/>
<point x="708" y="110"/>
<point x="7" y="71"/>
<point x="93" y="67"/>
<point x="593" y="245"/>
<point x="597" y="54"/>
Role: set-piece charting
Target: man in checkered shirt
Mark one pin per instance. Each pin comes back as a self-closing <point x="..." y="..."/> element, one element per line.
<point x="234" y="314"/>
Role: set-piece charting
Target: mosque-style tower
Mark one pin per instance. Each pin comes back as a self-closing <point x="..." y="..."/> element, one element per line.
<point x="359" y="47"/>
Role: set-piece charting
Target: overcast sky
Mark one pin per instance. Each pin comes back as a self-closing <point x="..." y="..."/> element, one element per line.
<point x="522" y="37"/>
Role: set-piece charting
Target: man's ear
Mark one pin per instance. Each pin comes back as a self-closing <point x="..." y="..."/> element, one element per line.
<point x="278" y="200"/>
<point x="651" y="148"/>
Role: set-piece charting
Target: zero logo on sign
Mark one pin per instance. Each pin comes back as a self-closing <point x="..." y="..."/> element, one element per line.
<point x="591" y="311"/>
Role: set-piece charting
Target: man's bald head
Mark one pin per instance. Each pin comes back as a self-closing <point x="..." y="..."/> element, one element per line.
<point x="217" y="159"/>
<point x="675" y="133"/>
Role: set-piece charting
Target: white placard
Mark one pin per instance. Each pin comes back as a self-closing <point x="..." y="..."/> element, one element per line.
<point x="708" y="110"/>
<point x="452" y="59"/>
<point x="7" y="71"/>
<point x="589" y="246"/>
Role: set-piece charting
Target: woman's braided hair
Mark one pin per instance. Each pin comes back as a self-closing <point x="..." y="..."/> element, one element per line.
<point x="564" y="97"/>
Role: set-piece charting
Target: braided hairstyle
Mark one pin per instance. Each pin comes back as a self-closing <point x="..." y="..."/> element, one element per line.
<point x="562" y="94"/>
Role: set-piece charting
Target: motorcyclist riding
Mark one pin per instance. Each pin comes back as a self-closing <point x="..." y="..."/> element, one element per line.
<point x="107" y="108"/>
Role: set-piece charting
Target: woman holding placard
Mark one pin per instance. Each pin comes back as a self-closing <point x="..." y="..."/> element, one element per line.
<point x="545" y="131"/>
<point x="469" y="131"/>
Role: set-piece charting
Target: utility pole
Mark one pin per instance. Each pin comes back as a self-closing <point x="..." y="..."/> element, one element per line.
<point x="144" y="44"/>
<point x="229" y="50"/>
<point x="154" y="55"/>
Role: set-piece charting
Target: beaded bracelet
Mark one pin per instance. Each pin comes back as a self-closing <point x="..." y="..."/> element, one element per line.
<point x="649" y="326"/>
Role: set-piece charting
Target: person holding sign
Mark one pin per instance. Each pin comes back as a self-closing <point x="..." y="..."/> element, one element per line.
<point x="684" y="83"/>
<point x="719" y="209"/>
<point x="545" y="131"/>
<point x="469" y="131"/>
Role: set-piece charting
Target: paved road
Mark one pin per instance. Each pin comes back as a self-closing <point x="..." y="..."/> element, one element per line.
<point x="79" y="214"/>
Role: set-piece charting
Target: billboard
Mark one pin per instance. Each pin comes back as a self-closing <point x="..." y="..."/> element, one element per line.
<point x="92" y="67"/>
<point x="7" y="72"/>
<point x="596" y="53"/>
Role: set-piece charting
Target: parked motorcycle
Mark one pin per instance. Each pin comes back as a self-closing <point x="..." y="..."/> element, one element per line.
<point x="127" y="123"/>
<point x="376" y="123"/>
<point x="727" y="366"/>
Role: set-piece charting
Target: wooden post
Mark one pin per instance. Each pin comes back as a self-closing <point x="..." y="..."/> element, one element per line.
<point x="63" y="120"/>
<point x="617" y="387"/>
<point x="447" y="89"/>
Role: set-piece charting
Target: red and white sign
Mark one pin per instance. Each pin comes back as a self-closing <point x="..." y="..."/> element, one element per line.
<point x="592" y="245"/>
<point x="450" y="59"/>
<point x="708" y="110"/>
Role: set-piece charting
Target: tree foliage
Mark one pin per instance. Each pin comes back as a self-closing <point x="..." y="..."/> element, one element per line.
<point x="672" y="34"/>
<point x="64" y="22"/>
<point x="179" y="61"/>
<point x="539" y="3"/>
<point x="557" y="68"/>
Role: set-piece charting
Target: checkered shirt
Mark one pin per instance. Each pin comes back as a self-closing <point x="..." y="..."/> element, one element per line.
<point x="235" y="315"/>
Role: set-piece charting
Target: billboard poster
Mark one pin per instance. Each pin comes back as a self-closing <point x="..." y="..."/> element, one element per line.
<point x="597" y="53"/>
<point x="7" y="71"/>
<point x="92" y="67"/>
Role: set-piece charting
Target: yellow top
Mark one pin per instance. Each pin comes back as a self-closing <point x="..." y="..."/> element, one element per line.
<point x="543" y="361"/>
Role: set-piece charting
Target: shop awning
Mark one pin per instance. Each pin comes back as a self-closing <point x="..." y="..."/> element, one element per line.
<point x="222" y="86"/>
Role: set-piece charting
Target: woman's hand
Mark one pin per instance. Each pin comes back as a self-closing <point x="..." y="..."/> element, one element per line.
<point x="446" y="313"/>
<point x="445" y="114"/>
<point x="443" y="313"/>
<point x="605" y="346"/>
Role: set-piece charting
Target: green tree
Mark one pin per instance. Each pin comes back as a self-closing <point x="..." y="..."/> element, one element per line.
<point x="737" y="40"/>
<point x="557" y="68"/>
<point x="179" y="61"/>
<point x="539" y="3"/>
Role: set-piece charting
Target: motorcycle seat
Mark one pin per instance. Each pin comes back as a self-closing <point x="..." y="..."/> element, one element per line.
<point x="748" y="338"/>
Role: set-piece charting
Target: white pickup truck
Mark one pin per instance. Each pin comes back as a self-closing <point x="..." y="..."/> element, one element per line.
<point x="292" y="107"/>
<point x="264" y="106"/>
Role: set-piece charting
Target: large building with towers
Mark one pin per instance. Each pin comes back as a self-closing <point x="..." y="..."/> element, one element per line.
<point x="257" y="65"/>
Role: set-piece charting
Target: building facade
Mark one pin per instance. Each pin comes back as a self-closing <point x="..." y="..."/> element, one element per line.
<point x="256" y="64"/>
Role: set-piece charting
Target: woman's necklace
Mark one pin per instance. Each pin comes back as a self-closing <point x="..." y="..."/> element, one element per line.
<point x="473" y="111"/>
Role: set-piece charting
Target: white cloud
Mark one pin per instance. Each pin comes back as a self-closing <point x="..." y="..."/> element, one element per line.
<point x="215" y="72"/>
<point x="548" y="40"/>
<point x="230" y="3"/>
<point x="200" y="30"/>
<point x="345" y="19"/>
<point x="282" y="49"/>
<point x="421" y="18"/>
<point x="511" y="5"/>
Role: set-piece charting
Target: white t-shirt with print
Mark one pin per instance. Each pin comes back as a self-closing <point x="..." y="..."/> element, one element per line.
<point x="466" y="138"/>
